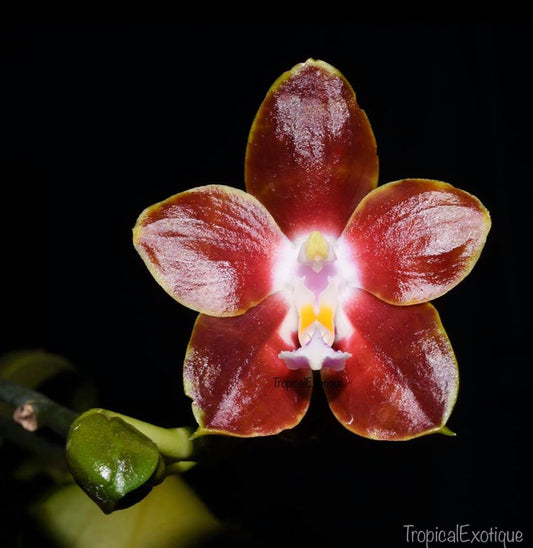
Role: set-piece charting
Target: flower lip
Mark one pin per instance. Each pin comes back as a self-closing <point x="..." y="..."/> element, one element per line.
<point x="315" y="355"/>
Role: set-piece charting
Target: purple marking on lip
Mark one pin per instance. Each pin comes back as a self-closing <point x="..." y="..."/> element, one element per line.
<point x="316" y="281"/>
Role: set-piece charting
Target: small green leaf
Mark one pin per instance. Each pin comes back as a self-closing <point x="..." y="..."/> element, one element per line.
<point x="111" y="460"/>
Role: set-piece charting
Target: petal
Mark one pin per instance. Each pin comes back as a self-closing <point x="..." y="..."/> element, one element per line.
<point x="401" y="381"/>
<point x="311" y="152"/>
<point x="238" y="384"/>
<point x="212" y="248"/>
<point x="413" y="240"/>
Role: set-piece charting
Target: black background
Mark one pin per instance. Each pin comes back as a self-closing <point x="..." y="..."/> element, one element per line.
<point x="101" y="118"/>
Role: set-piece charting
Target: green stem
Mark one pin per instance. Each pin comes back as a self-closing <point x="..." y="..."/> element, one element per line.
<point x="38" y="409"/>
<point x="34" y="410"/>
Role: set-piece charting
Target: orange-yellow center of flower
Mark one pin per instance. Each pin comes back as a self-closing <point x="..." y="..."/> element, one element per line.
<point x="316" y="302"/>
<point x="311" y="321"/>
<point x="308" y="315"/>
<point x="316" y="293"/>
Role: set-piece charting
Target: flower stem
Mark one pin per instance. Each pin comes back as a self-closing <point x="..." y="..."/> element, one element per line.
<point x="34" y="410"/>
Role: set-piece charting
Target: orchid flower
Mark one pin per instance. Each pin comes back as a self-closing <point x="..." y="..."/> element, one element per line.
<point x="314" y="275"/>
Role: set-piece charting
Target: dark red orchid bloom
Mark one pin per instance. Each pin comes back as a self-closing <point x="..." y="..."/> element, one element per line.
<point x="315" y="269"/>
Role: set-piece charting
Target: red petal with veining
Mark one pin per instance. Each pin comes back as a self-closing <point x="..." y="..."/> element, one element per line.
<point x="401" y="381"/>
<point x="413" y="240"/>
<point x="238" y="384"/>
<point x="311" y="152"/>
<point x="212" y="248"/>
